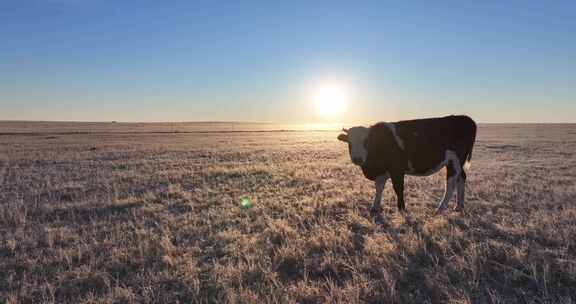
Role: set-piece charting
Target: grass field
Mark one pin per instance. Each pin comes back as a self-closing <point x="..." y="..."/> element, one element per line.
<point x="118" y="213"/>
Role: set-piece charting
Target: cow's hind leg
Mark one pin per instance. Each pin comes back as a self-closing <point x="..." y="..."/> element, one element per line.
<point x="453" y="173"/>
<point x="461" y="188"/>
<point x="464" y="161"/>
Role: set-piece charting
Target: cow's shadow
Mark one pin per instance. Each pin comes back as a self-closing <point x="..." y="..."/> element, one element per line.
<point x="431" y="262"/>
<point x="412" y="285"/>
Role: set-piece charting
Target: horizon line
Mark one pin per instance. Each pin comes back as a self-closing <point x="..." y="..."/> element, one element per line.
<point x="250" y="122"/>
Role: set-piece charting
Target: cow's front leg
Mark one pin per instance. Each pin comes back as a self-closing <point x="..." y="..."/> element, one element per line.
<point x="379" y="184"/>
<point x="398" y="183"/>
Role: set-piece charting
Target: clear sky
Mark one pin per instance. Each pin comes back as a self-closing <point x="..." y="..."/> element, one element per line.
<point x="100" y="60"/>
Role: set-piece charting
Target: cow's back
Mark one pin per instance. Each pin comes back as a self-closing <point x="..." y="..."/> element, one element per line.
<point x="417" y="146"/>
<point x="427" y="140"/>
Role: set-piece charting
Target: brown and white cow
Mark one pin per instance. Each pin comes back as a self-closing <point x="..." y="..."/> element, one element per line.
<point x="418" y="147"/>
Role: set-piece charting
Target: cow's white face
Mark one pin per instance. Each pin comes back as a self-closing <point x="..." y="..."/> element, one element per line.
<point x="357" y="138"/>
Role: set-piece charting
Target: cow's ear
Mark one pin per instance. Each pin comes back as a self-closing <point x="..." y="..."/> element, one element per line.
<point x="343" y="137"/>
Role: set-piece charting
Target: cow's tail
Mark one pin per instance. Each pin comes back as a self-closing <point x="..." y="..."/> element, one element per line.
<point x="468" y="162"/>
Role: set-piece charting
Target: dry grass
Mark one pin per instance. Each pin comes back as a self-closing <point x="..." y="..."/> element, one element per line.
<point x="154" y="218"/>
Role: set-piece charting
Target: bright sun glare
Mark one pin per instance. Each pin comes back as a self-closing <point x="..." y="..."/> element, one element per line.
<point x="330" y="101"/>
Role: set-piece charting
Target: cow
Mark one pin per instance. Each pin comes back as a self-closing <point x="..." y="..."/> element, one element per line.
<point x="420" y="147"/>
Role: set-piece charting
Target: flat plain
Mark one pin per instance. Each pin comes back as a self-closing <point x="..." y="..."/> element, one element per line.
<point x="149" y="213"/>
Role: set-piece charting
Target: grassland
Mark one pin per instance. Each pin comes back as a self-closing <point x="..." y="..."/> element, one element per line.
<point x="120" y="214"/>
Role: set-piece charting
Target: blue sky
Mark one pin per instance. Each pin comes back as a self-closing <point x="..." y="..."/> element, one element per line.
<point x="99" y="60"/>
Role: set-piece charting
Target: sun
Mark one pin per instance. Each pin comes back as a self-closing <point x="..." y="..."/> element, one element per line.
<point x="330" y="101"/>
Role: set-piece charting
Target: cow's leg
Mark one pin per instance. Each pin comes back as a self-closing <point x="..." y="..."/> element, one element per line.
<point x="453" y="171"/>
<point x="461" y="188"/>
<point x="463" y="158"/>
<point x="398" y="183"/>
<point x="379" y="183"/>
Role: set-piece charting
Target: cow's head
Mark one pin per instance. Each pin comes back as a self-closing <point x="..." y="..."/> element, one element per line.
<point x="357" y="139"/>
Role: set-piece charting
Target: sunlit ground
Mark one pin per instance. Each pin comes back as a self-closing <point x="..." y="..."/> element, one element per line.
<point x="158" y="218"/>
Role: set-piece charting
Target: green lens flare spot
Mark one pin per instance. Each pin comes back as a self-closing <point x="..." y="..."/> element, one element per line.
<point x="245" y="203"/>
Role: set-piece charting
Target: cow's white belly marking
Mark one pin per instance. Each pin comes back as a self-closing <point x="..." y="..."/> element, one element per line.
<point x="449" y="157"/>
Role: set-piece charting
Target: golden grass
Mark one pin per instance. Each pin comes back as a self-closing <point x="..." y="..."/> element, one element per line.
<point x="154" y="218"/>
